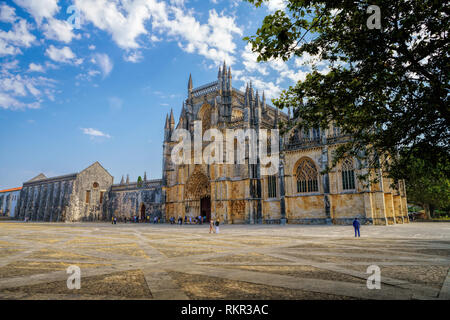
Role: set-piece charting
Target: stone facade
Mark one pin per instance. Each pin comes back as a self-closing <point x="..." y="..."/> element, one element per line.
<point x="230" y="192"/>
<point x="297" y="193"/>
<point x="143" y="200"/>
<point x="72" y="197"/>
<point x="88" y="196"/>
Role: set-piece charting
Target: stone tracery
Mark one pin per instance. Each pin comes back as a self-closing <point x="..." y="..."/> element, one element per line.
<point x="197" y="186"/>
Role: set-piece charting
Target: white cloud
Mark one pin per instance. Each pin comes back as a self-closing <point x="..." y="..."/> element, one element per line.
<point x="213" y="40"/>
<point x="274" y="5"/>
<point x="7" y="49"/>
<point x="126" y="22"/>
<point x="250" y="62"/>
<point x="179" y="3"/>
<point x="33" y="67"/>
<point x="95" y="133"/>
<point x="20" y="92"/>
<point x="7" y="13"/>
<point x="39" y="9"/>
<point x="103" y="62"/>
<point x="18" y="36"/>
<point x="64" y="55"/>
<point x="91" y="47"/>
<point x="135" y="56"/>
<point x="8" y="102"/>
<point x="11" y="65"/>
<point x="59" y="30"/>
<point x="271" y="90"/>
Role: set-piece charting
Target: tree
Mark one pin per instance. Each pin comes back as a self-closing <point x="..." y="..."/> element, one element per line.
<point x="387" y="88"/>
<point x="139" y="182"/>
<point x="426" y="186"/>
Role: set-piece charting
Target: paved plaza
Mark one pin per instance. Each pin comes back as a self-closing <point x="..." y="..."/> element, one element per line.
<point x="146" y="261"/>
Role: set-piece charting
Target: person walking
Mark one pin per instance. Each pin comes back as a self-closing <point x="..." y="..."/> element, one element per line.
<point x="112" y="220"/>
<point x="217" y="226"/>
<point x="211" y="226"/>
<point x="356" y="226"/>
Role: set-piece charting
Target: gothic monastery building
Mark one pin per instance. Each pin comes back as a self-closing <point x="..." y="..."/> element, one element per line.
<point x="296" y="192"/>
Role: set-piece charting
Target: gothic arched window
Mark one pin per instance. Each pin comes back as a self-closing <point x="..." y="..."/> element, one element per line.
<point x="348" y="175"/>
<point x="307" y="176"/>
<point x="206" y="117"/>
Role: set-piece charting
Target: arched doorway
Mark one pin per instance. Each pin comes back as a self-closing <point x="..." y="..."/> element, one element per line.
<point x="205" y="208"/>
<point x="143" y="217"/>
<point x="198" y="192"/>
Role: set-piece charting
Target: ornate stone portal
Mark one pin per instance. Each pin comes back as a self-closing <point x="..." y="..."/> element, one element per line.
<point x="197" y="186"/>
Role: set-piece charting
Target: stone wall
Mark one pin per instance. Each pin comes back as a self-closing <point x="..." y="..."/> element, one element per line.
<point x="96" y="181"/>
<point x="128" y="200"/>
<point x="45" y="199"/>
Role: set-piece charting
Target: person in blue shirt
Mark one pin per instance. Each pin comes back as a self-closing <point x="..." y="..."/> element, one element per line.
<point x="356" y="226"/>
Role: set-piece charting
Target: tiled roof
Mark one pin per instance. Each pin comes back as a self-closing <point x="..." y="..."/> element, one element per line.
<point x="12" y="189"/>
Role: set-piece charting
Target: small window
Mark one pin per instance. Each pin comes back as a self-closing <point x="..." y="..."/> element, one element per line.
<point x="272" y="186"/>
<point x="95" y="185"/>
<point x="88" y="196"/>
<point x="101" y="197"/>
<point x="316" y="133"/>
<point x="253" y="171"/>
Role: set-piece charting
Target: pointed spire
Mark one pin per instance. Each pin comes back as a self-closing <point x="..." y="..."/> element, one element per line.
<point x="224" y="69"/>
<point x="128" y="179"/>
<point x="276" y="118"/>
<point x="145" y="175"/>
<point x="167" y="122"/>
<point x="183" y="111"/>
<point x="229" y="86"/>
<point x="172" y="120"/>
<point x="257" y="108"/>
<point x="246" y="95"/>
<point x="219" y="75"/>
<point x="122" y="181"/>
<point x="263" y="102"/>
<point x="190" y="83"/>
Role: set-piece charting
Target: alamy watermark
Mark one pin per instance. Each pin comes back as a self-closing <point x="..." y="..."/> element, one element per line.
<point x="374" y="21"/>
<point x="374" y="280"/>
<point x="237" y="146"/>
<point x="74" y="280"/>
<point x="75" y="17"/>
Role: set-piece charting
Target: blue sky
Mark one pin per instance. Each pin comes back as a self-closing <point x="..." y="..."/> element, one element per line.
<point x="99" y="90"/>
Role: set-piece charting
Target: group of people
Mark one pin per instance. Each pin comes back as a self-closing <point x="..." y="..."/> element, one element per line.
<point x="188" y="220"/>
<point x="134" y="219"/>
<point x="213" y="224"/>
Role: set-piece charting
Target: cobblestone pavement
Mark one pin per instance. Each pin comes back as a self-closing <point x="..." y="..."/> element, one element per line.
<point x="143" y="261"/>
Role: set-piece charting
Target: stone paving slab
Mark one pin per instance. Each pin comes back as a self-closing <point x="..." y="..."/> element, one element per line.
<point x="146" y="261"/>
